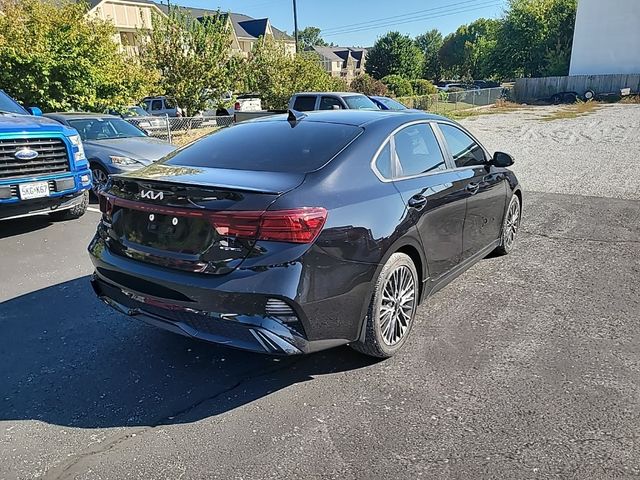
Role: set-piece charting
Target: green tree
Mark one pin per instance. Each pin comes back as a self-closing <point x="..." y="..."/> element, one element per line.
<point x="395" y="54"/>
<point x="193" y="57"/>
<point x="423" y="87"/>
<point x="398" y="86"/>
<point x="52" y="56"/>
<point x="430" y="44"/>
<point x="276" y="75"/>
<point x="536" y="37"/>
<point x="470" y="51"/>
<point x="368" y="85"/>
<point x="309" y="37"/>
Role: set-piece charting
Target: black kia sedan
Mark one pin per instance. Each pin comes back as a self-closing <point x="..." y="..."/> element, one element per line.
<point x="293" y="234"/>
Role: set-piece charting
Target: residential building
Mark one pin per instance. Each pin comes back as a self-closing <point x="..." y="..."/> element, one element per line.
<point x="606" y="38"/>
<point x="344" y="62"/>
<point x="130" y="16"/>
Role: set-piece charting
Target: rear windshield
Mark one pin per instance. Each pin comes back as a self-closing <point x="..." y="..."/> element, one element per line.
<point x="272" y="146"/>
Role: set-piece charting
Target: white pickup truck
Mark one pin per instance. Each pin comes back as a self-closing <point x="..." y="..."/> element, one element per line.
<point x="309" y="101"/>
<point x="243" y="103"/>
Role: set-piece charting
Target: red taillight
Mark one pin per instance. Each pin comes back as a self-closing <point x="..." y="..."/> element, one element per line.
<point x="300" y="225"/>
<point x="106" y="205"/>
<point x="236" y="106"/>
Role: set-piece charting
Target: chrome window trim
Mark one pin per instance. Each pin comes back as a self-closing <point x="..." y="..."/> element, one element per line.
<point x="487" y="156"/>
<point x="391" y="139"/>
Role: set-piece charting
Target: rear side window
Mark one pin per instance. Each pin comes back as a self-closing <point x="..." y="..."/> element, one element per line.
<point x="464" y="149"/>
<point x="418" y="151"/>
<point x="330" y="103"/>
<point x="383" y="162"/>
<point x="271" y="146"/>
<point x="304" y="104"/>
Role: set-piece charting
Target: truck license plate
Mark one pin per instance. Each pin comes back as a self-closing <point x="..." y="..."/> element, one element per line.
<point x="34" y="190"/>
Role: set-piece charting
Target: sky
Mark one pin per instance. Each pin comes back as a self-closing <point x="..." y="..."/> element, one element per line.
<point x="361" y="22"/>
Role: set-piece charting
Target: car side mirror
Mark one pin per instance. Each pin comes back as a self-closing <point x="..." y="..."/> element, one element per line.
<point x="35" y="111"/>
<point x="503" y="160"/>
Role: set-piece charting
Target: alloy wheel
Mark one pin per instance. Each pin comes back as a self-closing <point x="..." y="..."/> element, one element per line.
<point x="100" y="178"/>
<point x="512" y="224"/>
<point x="398" y="304"/>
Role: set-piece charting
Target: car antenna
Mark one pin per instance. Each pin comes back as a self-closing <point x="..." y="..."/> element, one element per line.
<point x="295" y="116"/>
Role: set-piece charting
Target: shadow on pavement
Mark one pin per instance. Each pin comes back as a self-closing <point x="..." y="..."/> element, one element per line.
<point x="69" y="360"/>
<point x="19" y="226"/>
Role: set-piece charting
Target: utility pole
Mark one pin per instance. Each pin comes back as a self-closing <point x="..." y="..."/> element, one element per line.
<point x="295" y="23"/>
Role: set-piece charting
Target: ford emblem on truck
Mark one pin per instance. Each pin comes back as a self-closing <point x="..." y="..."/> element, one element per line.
<point x="26" y="154"/>
<point x="151" y="195"/>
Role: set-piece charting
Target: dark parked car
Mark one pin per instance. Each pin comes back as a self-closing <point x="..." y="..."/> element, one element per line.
<point x="325" y="229"/>
<point x="386" y="103"/>
<point x="112" y="145"/>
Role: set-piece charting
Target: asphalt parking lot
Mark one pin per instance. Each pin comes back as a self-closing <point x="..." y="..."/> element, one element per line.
<point x="527" y="366"/>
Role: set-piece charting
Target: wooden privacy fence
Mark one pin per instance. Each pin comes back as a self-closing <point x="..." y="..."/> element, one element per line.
<point x="530" y="89"/>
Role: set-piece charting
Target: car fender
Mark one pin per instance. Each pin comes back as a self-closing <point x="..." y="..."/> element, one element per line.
<point x="412" y="240"/>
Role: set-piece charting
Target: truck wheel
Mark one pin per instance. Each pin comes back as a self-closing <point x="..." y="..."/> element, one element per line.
<point x="74" y="212"/>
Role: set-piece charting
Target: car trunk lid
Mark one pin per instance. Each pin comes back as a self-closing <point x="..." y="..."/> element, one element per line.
<point x="190" y="218"/>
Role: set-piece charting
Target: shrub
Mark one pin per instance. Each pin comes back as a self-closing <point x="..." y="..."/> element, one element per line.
<point x="398" y="86"/>
<point x="368" y="85"/>
<point x="423" y="87"/>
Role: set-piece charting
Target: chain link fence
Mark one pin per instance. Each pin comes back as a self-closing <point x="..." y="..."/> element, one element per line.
<point x="443" y="103"/>
<point x="180" y="130"/>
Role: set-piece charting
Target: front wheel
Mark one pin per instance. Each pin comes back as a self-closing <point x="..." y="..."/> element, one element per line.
<point x="392" y="309"/>
<point x="100" y="177"/>
<point x="510" y="226"/>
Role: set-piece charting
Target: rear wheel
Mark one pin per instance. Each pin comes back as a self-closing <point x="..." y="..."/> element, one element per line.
<point x="392" y="309"/>
<point x="510" y="227"/>
<point x="74" y="212"/>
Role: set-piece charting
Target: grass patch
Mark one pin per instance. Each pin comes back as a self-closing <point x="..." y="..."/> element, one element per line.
<point x="501" y="106"/>
<point x="631" y="100"/>
<point x="576" y="110"/>
<point x="180" y="139"/>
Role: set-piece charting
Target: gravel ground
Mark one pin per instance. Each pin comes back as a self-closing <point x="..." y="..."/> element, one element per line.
<point x="525" y="367"/>
<point x="594" y="155"/>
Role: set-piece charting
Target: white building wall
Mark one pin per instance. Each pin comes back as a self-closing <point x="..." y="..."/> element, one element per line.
<point x="606" y="38"/>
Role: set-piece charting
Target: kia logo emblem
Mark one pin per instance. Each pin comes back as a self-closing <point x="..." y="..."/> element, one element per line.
<point x="26" y="154"/>
<point x="151" y="195"/>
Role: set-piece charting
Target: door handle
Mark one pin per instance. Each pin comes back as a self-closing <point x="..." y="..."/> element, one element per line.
<point x="418" y="202"/>
<point x="473" y="188"/>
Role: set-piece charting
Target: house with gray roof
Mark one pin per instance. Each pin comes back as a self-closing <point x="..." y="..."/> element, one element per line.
<point x="343" y="62"/>
<point x="130" y="16"/>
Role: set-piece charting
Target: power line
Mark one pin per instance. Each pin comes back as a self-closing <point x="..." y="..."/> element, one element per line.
<point x="410" y="14"/>
<point x="491" y="3"/>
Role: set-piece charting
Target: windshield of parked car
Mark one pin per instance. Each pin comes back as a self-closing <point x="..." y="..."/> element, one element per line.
<point x="360" y="102"/>
<point x="8" y="105"/>
<point x="391" y="104"/>
<point x="274" y="146"/>
<point x="135" y="112"/>
<point x="105" y="128"/>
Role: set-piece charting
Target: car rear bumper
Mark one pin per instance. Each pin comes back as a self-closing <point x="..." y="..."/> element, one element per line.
<point x="242" y="309"/>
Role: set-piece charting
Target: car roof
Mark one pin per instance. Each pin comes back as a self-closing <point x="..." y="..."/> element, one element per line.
<point x="337" y="94"/>
<point x="359" y="118"/>
<point x="78" y="115"/>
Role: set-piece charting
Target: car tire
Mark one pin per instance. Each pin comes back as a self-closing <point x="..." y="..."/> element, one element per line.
<point x="510" y="226"/>
<point x="100" y="176"/>
<point x="390" y="317"/>
<point x="74" y="212"/>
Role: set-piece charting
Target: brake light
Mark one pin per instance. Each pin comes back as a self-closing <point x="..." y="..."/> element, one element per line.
<point x="300" y="225"/>
<point x="236" y="106"/>
<point x="106" y="204"/>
